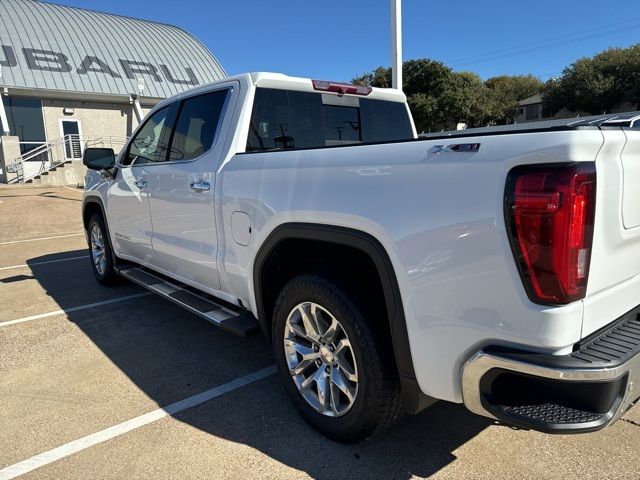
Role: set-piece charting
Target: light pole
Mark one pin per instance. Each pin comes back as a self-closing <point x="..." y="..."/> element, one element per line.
<point x="396" y="44"/>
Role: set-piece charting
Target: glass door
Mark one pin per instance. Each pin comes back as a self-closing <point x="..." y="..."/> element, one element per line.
<point x="70" y="130"/>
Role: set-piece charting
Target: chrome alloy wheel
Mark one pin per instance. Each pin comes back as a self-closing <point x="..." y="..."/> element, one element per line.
<point x="97" y="250"/>
<point x="320" y="359"/>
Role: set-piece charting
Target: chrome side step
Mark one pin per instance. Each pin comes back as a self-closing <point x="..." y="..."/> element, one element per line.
<point x="238" y="322"/>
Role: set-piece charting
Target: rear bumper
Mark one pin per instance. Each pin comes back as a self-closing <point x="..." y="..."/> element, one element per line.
<point x="581" y="392"/>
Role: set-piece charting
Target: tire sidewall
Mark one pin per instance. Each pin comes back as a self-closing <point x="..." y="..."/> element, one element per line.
<point x="309" y="288"/>
<point x="109" y="274"/>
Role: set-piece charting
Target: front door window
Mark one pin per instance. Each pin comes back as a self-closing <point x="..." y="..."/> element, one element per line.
<point x="150" y="142"/>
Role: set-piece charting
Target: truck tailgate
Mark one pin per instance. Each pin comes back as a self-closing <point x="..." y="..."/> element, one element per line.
<point x="614" y="279"/>
<point x="631" y="185"/>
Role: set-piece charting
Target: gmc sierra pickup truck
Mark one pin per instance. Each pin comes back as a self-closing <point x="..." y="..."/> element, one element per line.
<point x="497" y="268"/>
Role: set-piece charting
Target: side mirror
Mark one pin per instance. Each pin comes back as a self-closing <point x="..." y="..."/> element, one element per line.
<point x="99" y="158"/>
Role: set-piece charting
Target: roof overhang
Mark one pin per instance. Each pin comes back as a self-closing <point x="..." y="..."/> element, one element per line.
<point x="45" y="94"/>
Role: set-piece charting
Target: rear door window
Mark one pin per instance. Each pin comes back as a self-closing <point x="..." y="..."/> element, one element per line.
<point x="384" y="121"/>
<point x="284" y="120"/>
<point x="196" y="125"/>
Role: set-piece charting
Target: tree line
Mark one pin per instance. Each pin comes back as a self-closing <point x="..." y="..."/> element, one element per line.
<point x="440" y="98"/>
<point x="597" y="85"/>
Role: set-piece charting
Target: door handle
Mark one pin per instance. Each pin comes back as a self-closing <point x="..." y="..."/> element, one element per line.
<point x="140" y="183"/>
<point x="200" y="186"/>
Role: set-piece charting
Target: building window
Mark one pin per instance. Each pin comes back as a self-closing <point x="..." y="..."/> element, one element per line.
<point x="533" y="112"/>
<point x="25" y="121"/>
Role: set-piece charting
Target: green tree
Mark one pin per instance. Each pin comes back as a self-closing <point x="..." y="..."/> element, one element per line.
<point x="596" y="85"/>
<point x="419" y="76"/>
<point x="380" y="77"/>
<point x="465" y="99"/>
<point x="425" y="111"/>
<point x="506" y="91"/>
<point x="438" y="97"/>
<point x="425" y="76"/>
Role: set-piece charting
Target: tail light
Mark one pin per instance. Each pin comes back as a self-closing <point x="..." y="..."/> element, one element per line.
<point x="550" y="212"/>
<point x="341" y="88"/>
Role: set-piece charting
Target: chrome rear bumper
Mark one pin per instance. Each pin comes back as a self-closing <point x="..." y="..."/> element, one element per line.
<point x="606" y="364"/>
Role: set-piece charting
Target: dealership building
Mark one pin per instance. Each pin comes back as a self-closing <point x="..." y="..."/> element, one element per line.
<point x="72" y="77"/>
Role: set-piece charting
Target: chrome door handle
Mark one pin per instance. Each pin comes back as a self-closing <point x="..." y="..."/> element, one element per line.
<point x="200" y="186"/>
<point x="140" y="183"/>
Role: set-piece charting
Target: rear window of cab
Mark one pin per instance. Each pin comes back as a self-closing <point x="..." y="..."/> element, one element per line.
<point x="287" y="120"/>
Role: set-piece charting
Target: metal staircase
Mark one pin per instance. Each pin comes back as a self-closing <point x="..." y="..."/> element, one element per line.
<point x="54" y="155"/>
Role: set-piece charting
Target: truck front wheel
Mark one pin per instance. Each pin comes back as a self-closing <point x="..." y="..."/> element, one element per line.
<point x="100" y="252"/>
<point x="336" y="367"/>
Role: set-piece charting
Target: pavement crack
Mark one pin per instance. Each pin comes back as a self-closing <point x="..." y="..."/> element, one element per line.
<point x="632" y="422"/>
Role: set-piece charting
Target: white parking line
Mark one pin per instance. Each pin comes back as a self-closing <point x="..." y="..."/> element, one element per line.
<point x="43" y="263"/>
<point x="75" y="189"/>
<point x="41" y="238"/>
<point x="73" y="309"/>
<point x="83" y="443"/>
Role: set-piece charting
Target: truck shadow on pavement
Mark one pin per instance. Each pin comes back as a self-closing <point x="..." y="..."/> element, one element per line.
<point x="17" y="278"/>
<point x="45" y="195"/>
<point x="171" y="354"/>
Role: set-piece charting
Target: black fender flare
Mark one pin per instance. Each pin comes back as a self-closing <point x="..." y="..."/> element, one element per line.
<point x="95" y="200"/>
<point x="356" y="239"/>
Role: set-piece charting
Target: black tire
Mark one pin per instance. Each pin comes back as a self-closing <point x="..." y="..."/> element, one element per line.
<point x="109" y="277"/>
<point x="377" y="403"/>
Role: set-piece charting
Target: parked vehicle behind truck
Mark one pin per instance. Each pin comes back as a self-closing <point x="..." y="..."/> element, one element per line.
<point x="498" y="269"/>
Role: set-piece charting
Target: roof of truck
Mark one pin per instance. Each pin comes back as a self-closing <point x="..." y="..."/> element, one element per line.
<point x="279" y="80"/>
<point x="285" y="82"/>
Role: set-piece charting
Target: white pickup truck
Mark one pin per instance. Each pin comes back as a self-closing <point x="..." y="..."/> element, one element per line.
<point x="499" y="269"/>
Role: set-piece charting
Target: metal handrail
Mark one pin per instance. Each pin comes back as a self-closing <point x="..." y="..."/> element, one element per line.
<point x="57" y="152"/>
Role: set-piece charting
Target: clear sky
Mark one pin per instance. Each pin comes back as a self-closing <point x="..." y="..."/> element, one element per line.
<point x="337" y="40"/>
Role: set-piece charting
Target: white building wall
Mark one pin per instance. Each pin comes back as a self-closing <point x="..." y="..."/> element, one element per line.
<point x="96" y="119"/>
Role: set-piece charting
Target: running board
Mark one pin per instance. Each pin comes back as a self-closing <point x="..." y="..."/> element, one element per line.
<point x="240" y="323"/>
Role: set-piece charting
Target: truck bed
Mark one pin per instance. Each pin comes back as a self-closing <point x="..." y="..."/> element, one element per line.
<point x="626" y="119"/>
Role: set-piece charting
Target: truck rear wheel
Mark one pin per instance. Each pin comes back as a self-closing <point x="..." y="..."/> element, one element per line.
<point x="100" y="252"/>
<point x="336" y="369"/>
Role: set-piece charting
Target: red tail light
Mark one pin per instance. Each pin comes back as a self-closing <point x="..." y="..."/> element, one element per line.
<point x="341" y="88"/>
<point x="550" y="213"/>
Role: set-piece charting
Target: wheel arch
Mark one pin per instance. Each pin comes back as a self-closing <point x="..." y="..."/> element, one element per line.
<point x="346" y="237"/>
<point x="90" y="206"/>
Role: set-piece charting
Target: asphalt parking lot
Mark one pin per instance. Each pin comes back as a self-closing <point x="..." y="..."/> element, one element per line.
<point x="86" y="370"/>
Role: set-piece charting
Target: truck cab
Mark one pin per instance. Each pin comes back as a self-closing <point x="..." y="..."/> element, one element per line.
<point x="161" y="200"/>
